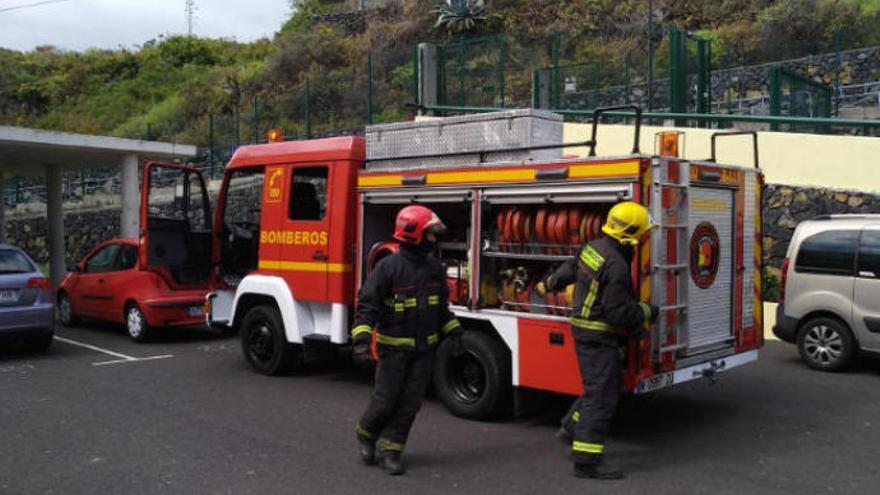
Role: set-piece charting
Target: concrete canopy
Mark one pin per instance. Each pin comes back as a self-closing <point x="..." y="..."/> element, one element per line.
<point x="21" y="149"/>
<point x="26" y="151"/>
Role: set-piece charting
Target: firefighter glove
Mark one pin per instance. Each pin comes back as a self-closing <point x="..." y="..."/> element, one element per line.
<point x="541" y="288"/>
<point x="360" y="352"/>
<point x="655" y="312"/>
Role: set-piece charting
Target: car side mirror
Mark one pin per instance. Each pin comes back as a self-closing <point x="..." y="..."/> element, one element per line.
<point x="72" y="267"/>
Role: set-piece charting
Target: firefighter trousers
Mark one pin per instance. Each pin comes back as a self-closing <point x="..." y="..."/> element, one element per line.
<point x="600" y="365"/>
<point x="401" y="382"/>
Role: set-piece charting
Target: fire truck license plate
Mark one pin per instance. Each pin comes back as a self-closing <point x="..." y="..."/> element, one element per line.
<point x="655" y="383"/>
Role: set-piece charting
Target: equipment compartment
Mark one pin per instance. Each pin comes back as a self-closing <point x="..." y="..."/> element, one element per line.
<point x="527" y="234"/>
<point x="453" y="250"/>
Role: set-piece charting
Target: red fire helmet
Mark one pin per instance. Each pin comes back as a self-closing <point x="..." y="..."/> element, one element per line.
<point x="412" y="223"/>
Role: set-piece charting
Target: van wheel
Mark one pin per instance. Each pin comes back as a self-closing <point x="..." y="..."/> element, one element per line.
<point x="264" y="343"/>
<point x="136" y="324"/>
<point x="826" y="344"/>
<point x="475" y="384"/>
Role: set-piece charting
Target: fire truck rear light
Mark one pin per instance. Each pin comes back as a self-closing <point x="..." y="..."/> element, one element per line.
<point x="39" y="283"/>
<point x="275" y="135"/>
<point x="669" y="143"/>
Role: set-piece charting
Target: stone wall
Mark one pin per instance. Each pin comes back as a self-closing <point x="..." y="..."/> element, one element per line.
<point x="83" y="231"/>
<point x="786" y="206"/>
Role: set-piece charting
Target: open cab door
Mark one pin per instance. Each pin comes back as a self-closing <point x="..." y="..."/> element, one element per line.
<point x="175" y="234"/>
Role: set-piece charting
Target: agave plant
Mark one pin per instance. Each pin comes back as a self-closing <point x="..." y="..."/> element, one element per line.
<point x="459" y="16"/>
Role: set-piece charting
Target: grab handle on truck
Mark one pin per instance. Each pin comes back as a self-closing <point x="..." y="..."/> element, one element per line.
<point x="597" y="115"/>
<point x="735" y="133"/>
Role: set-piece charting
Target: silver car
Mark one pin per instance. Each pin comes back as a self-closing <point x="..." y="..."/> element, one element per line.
<point x="830" y="301"/>
<point x="26" y="310"/>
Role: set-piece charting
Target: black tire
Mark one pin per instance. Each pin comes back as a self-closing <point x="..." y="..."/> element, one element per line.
<point x="39" y="343"/>
<point x="136" y="325"/>
<point x="65" y="311"/>
<point x="264" y="343"/>
<point x="826" y="344"/>
<point x="475" y="385"/>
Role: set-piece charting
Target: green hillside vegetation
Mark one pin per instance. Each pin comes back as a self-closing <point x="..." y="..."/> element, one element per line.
<point x="166" y="88"/>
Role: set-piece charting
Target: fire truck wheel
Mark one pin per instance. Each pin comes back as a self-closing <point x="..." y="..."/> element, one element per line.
<point x="264" y="344"/>
<point x="476" y="383"/>
<point x="826" y="344"/>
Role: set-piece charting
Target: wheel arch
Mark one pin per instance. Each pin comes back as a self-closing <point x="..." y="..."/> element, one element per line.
<point x="824" y="313"/>
<point x="262" y="289"/>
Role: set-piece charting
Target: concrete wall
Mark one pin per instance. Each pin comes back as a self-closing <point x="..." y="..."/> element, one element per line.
<point x="836" y="162"/>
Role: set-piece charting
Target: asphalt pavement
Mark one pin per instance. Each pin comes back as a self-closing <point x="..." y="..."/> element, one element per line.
<point x="98" y="413"/>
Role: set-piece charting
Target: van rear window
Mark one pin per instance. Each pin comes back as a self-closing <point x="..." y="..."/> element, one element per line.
<point x="832" y="253"/>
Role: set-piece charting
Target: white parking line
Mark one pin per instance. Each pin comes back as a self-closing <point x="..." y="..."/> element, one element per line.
<point x="123" y="357"/>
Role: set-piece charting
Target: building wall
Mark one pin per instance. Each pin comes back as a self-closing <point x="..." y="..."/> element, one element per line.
<point x="835" y="162"/>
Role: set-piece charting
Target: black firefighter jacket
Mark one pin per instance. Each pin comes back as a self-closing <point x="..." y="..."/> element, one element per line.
<point x="604" y="301"/>
<point x="406" y="299"/>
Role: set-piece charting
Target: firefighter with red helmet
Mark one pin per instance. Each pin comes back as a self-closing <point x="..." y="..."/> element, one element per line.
<point x="605" y="306"/>
<point x="405" y="298"/>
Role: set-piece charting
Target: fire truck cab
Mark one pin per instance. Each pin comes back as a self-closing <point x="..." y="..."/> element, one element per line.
<point x="298" y="224"/>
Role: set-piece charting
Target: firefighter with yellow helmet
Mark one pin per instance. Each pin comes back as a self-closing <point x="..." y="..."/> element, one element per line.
<point x="605" y="307"/>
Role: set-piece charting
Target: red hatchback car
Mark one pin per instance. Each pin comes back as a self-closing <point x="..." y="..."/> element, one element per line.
<point x="109" y="285"/>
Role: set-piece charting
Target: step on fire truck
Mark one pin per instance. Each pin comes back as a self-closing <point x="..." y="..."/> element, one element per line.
<point x="298" y="225"/>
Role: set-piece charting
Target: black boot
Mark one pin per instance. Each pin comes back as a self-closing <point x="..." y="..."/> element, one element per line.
<point x="597" y="470"/>
<point x="392" y="464"/>
<point x="367" y="451"/>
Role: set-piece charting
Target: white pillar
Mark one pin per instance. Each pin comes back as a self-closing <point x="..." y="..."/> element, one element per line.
<point x="2" y="208"/>
<point x="131" y="198"/>
<point x="55" y="220"/>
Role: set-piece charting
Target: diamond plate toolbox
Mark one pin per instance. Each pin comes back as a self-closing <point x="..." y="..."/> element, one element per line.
<point x="486" y="134"/>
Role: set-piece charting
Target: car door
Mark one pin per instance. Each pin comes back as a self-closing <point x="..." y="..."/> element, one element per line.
<point x="118" y="282"/>
<point x="866" y="298"/>
<point x="175" y="235"/>
<point x="92" y="295"/>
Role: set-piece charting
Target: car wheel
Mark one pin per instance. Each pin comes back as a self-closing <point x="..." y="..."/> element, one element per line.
<point x="264" y="342"/>
<point x="40" y="343"/>
<point x="65" y="311"/>
<point x="136" y="324"/>
<point x="475" y="384"/>
<point x="826" y="344"/>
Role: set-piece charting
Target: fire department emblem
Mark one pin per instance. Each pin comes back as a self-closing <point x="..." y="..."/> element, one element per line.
<point x="705" y="255"/>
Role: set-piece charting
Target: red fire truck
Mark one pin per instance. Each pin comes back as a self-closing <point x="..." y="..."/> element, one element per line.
<point x="299" y="224"/>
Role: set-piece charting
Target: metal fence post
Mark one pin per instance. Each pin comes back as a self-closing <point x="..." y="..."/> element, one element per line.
<point x="255" y="120"/>
<point x="308" y="110"/>
<point x="370" y="87"/>
<point x="554" y="73"/>
<point x="461" y="58"/>
<point x="837" y="71"/>
<point x="650" y="55"/>
<point x="502" y="49"/>
<point x="211" y="145"/>
<point x="775" y="96"/>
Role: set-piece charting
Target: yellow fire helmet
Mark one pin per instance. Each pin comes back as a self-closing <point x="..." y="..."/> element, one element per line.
<point x="628" y="222"/>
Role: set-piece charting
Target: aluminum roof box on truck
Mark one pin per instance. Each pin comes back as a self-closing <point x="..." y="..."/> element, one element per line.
<point x="466" y="141"/>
